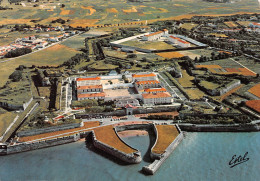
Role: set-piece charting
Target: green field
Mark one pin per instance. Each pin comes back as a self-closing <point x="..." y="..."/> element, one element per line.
<point x="151" y="45"/>
<point x="209" y="85"/>
<point x="52" y="56"/>
<point x="123" y="11"/>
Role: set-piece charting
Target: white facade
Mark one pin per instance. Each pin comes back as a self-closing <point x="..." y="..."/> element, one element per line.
<point x="155" y="36"/>
<point x="157" y="98"/>
<point x="144" y="77"/>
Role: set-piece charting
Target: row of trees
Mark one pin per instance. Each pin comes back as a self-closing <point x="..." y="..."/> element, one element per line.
<point x="18" y="52"/>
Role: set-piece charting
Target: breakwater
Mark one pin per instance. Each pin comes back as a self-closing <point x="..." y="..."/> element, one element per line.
<point x="160" y="158"/>
<point x="219" y="128"/>
<point x="28" y="146"/>
<point x="134" y="157"/>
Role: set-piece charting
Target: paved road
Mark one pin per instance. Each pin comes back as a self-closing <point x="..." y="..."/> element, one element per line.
<point x="169" y="86"/>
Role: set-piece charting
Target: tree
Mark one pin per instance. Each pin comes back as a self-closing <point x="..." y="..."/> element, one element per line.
<point x="16" y="76"/>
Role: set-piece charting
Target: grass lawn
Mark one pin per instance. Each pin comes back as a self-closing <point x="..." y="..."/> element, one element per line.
<point x="244" y="23"/>
<point x="166" y="135"/>
<point x="102" y="65"/>
<point x="5" y="119"/>
<point x="194" y="93"/>
<point x="52" y="56"/>
<point x="186" y="79"/>
<point x="16" y="92"/>
<point x="209" y="85"/>
<point x="10" y="37"/>
<point x="107" y="135"/>
<point x="188" y="26"/>
<point x="76" y="42"/>
<point x="151" y="45"/>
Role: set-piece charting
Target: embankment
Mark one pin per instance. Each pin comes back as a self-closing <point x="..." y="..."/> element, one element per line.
<point x="28" y="146"/>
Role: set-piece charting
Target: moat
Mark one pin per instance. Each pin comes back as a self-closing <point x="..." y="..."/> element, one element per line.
<point x="184" y="163"/>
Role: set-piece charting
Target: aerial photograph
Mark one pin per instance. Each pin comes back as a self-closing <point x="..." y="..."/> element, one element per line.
<point x="129" y="90"/>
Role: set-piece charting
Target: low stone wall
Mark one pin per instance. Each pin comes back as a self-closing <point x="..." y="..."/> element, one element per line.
<point x="129" y="158"/>
<point x="49" y="129"/>
<point x="219" y="128"/>
<point x="152" y="168"/>
<point x="133" y="127"/>
<point x="27" y="146"/>
<point x="155" y="155"/>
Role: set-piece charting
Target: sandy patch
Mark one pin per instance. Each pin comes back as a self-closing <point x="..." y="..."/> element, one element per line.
<point x="190" y="54"/>
<point x="64" y="12"/>
<point x="170" y="54"/>
<point x="83" y="22"/>
<point x="90" y="8"/>
<point x="132" y="10"/>
<point x="132" y="133"/>
<point x="112" y="10"/>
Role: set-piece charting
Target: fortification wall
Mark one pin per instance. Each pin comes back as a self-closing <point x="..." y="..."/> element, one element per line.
<point x="219" y="128"/>
<point x="22" y="147"/>
<point x="133" y="127"/>
<point x="48" y="129"/>
<point x="129" y="158"/>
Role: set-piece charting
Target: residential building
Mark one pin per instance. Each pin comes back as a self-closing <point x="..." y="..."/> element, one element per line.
<point x="99" y="95"/>
<point x="53" y="39"/>
<point x="89" y="88"/>
<point x="254" y="25"/>
<point x="155" y="36"/>
<point x="155" y="90"/>
<point x="126" y="101"/>
<point x="157" y="98"/>
<point x="143" y="77"/>
<point x="88" y="81"/>
<point x="141" y="85"/>
<point x="178" y="41"/>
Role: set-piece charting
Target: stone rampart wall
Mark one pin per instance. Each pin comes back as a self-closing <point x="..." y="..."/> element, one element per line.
<point x="129" y="158"/>
<point x="27" y="146"/>
<point x="219" y="128"/>
<point x="160" y="158"/>
<point x="48" y="129"/>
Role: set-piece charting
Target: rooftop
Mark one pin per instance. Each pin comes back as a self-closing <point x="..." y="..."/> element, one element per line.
<point x="254" y="104"/>
<point x="143" y="75"/>
<point x="156" y="95"/>
<point x="148" y="82"/>
<point x="155" y="90"/>
<point x="89" y="87"/>
<point x="156" y="33"/>
<point x="101" y="94"/>
<point x="88" y="78"/>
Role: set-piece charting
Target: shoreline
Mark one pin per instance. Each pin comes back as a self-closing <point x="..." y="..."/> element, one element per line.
<point x="132" y="133"/>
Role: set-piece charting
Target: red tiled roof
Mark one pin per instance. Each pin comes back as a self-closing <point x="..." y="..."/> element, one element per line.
<point x="254" y="104"/>
<point x="156" y="95"/>
<point x="184" y="42"/>
<point x="254" y="23"/>
<point x="155" y="33"/>
<point x="144" y="75"/>
<point x="89" y="87"/>
<point x="148" y="82"/>
<point x="174" y="38"/>
<point x="101" y="94"/>
<point x="88" y="78"/>
<point x="155" y="90"/>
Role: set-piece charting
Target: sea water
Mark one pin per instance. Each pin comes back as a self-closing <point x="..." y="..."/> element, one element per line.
<point x="200" y="156"/>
